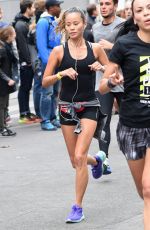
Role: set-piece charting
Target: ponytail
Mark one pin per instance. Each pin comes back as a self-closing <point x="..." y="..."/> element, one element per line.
<point x="128" y="26"/>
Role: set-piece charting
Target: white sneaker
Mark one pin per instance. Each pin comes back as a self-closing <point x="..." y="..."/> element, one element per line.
<point x="106" y="167"/>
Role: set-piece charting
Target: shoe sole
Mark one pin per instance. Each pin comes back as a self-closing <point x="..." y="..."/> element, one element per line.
<point x="26" y="122"/>
<point x="107" y="173"/>
<point x="107" y="169"/>
<point x="48" y="129"/>
<point x="75" y="221"/>
<point x="12" y="135"/>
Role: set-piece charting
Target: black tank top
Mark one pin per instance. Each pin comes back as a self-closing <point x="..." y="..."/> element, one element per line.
<point x="83" y="88"/>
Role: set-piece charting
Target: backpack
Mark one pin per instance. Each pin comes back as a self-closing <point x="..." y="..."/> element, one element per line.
<point x="32" y="34"/>
<point x="51" y="37"/>
<point x="49" y="26"/>
<point x="37" y="65"/>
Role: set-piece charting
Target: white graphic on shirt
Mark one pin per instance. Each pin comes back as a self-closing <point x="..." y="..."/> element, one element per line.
<point x="145" y="79"/>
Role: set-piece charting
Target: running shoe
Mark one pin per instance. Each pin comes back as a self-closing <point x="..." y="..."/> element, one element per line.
<point x="56" y="123"/>
<point x="97" y="170"/>
<point x="25" y="119"/>
<point x="106" y="166"/>
<point x="34" y="117"/>
<point x="76" y="215"/>
<point x="7" y="132"/>
<point x="48" y="126"/>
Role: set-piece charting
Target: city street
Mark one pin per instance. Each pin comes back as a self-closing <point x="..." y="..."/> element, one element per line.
<point x="37" y="184"/>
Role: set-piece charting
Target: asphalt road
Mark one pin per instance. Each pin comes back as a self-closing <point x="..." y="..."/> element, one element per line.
<point x="37" y="184"/>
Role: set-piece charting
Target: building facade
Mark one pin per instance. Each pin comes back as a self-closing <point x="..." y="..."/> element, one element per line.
<point x="11" y="7"/>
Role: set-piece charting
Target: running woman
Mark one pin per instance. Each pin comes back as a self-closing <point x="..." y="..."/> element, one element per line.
<point x="77" y="60"/>
<point x="132" y="53"/>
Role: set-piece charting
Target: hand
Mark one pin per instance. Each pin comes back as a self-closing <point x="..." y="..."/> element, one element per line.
<point x="32" y="26"/>
<point x="96" y="66"/>
<point x="116" y="78"/>
<point x="11" y="82"/>
<point x="105" y="44"/>
<point x="70" y="73"/>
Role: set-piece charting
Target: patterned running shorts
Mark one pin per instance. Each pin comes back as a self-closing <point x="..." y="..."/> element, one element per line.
<point x="133" y="142"/>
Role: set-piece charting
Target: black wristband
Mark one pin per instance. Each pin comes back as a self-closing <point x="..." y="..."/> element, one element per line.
<point x="110" y="84"/>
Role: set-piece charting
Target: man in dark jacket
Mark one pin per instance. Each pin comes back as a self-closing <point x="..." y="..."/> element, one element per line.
<point x="92" y="14"/>
<point x="21" y="24"/>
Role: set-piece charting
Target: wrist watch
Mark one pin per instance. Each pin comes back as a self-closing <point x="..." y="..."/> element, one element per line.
<point x="59" y="76"/>
<point x="110" y="84"/>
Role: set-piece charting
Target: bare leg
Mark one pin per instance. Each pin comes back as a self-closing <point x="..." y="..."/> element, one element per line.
<point x="146" y="190"/>
<point x="91" y="160"/>
<point x="81" y="182"/>
<point x="137" y="167"/>
<point x="77" y="146"/>
<point x="82" y="146"/>
<point x="70" y="139"/>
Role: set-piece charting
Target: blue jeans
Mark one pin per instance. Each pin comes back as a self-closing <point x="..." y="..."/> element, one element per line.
<point x="45" y="99"/>
<point x="48" y="102"/>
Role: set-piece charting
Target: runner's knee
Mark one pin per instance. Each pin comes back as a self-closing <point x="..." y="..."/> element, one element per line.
<point x="146" y="189"/>
<point x="80" y="160"/>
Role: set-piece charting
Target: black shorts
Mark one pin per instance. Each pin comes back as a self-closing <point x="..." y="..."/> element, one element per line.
<point x="91" y="113"/>
<point x="133" y="142"/>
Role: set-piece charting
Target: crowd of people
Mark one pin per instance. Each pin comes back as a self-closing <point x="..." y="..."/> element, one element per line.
<point x="81" y="67"/>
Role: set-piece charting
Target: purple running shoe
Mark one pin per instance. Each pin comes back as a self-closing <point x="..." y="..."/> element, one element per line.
<point x="97" y="170"/>
<point x="76" y="215"/>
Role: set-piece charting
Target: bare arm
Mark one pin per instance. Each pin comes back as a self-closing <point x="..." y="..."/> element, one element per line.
<point x="102" y="60"/>
<point x="106" y="44"/>
<point x="111" y="77"/>
<point x="49" y="77"/>
<point x="54" y="61"/>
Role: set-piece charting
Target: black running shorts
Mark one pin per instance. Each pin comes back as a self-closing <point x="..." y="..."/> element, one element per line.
<point x="91" y="113"/>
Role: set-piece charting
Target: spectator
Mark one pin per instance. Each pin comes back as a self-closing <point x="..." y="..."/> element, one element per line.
<point x="128" y="10"/>
<point x="2" y="23"/>
<point x="92" y="14"/>
<point x="15" y="68"/>
<point x="39" y="8"/>
<point x="36" y="63"/>
<point x="7" y="83"/>
<point x="47" y="39"/>
<point x="21" y="24"/>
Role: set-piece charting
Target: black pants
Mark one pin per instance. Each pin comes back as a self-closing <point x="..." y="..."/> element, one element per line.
<point x="3" y="107"/>
<point x="106" y="102"/>
<point x="26" y="79"/>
